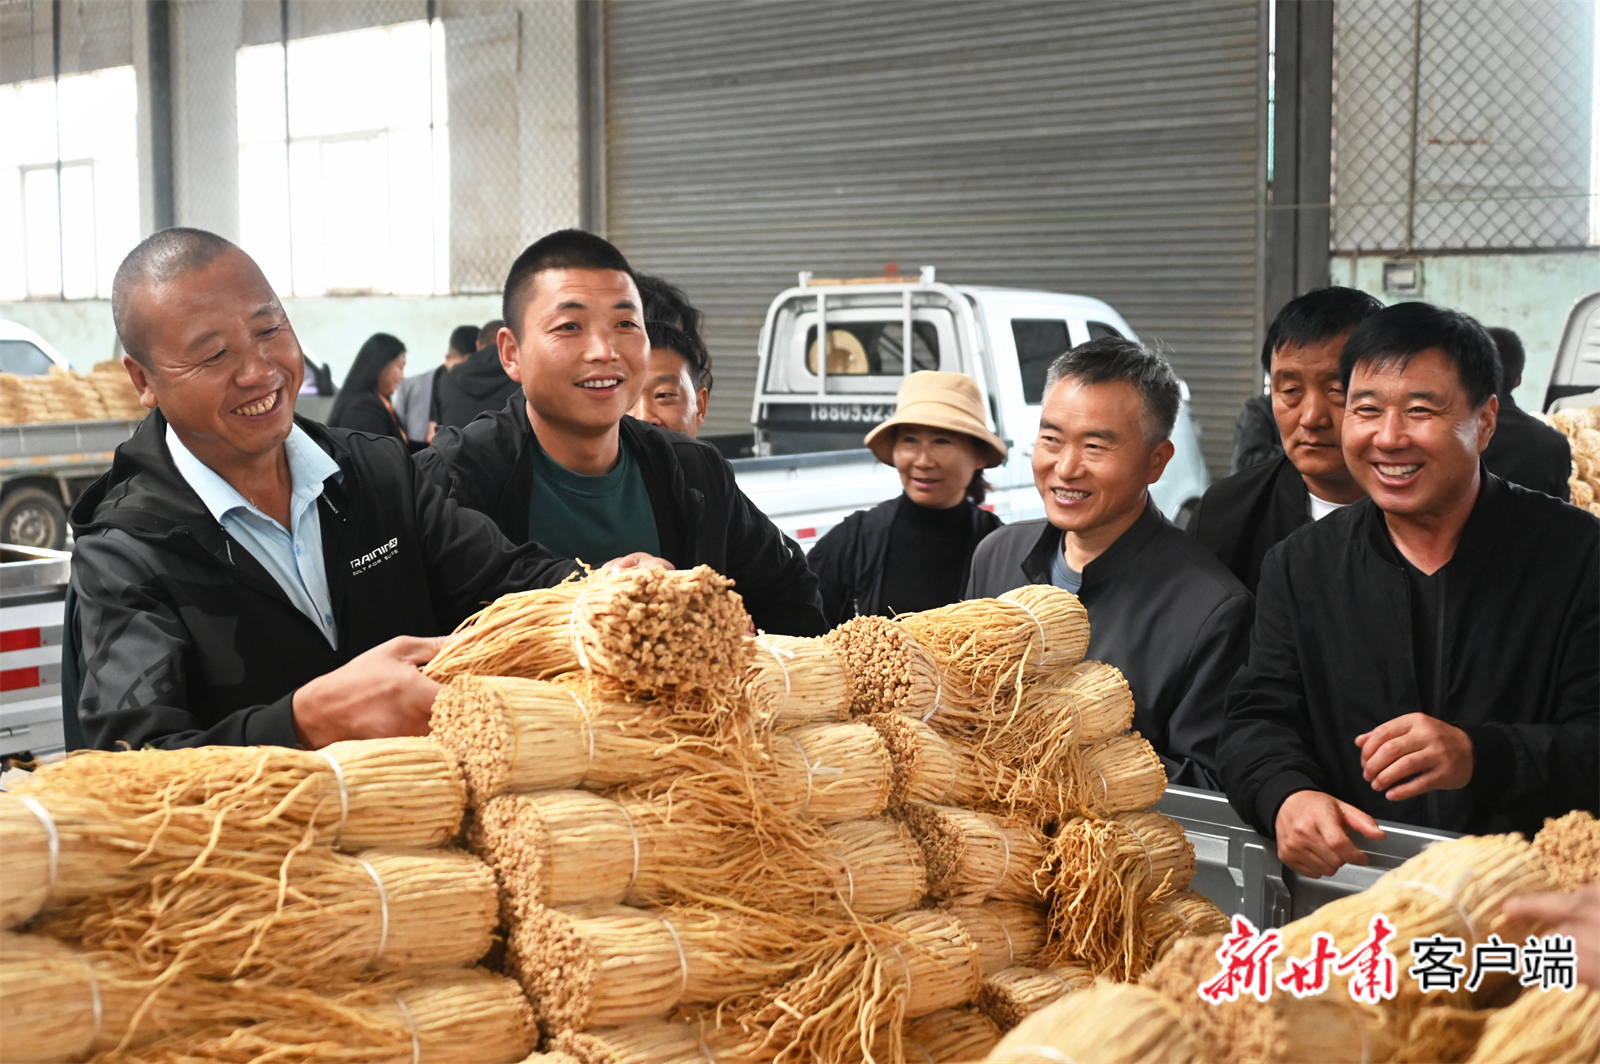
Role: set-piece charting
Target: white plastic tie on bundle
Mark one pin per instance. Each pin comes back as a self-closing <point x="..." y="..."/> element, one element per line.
<point x="705" y="1050"/>
<point x="49" y="823"/>
<point x="1011" y="949"/>
<point x="926" y="1056"/>
<point x="1044" y="645"/>
<point x="1451" y="897"/>
<point x="683" y="958"/>
<point x="938" y="695"/>
<point x="806" y="761"/>
<point x="633" y="877"/>
<point x="1048" y="1054"/>
<point x="411" y="1025"/>
<point x="344" y="793"/>
<point x="383" y="903"/>
<point x="572" y="632"/>
<point x="95" y="1001"/>
<point x="588" y="731"/>
<point x="1149" y="861"/>
<point x="1005" y="840"/>
<point x="778" y="654"/>
<point x="901" y="957"/>
<point x="850" y="877"/>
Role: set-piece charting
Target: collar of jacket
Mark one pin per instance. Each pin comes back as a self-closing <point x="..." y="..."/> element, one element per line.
<point x="677" y="507"/>
<point x="1115" y="558"/>
<point x="144" y="495"/>
<point x="1484" y="529"/>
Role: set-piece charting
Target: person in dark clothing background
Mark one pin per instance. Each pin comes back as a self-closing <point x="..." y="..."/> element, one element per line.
<point x="561" y="463"/>
<point x="1524" y="449"/>
<point x="476" y="386"/>
<point x="914" y="552"/>
<point x="1255" y="435"/>
<point x="1161" y="607"/>
<point x="678" y="378"/>
<point x="1239" y="518"/>
<point x="364" y="404"/>
<point x="1431" y="653"/>
<point x="413" y="400"/>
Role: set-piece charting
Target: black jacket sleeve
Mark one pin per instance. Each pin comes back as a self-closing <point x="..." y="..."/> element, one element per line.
<point x="1266" y="750"/>
<point x="136" y="678"/>
<point x="1195" y="727"/>
<point x="1255" y="434"/>
<point x="366" y="413"/>
<point x="470" y="561"/>
<point x="1533" y="771"/>
<point x="768" y="568"/>
<point x="833" y="560"/>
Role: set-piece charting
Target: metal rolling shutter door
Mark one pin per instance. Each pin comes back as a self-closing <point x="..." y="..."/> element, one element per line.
<point x="1109" y="149"/>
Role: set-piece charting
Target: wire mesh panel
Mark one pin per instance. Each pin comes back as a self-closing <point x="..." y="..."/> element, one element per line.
<point x="1463" y="124"/>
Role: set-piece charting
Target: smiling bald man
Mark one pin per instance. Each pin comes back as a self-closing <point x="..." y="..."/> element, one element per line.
<point x="245" y="576"/>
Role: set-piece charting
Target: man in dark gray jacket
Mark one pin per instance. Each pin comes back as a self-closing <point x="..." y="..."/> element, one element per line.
<point x="1161" y="607"/>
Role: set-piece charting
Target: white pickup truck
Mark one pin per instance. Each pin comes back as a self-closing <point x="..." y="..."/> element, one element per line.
<point x="810" y="470"/>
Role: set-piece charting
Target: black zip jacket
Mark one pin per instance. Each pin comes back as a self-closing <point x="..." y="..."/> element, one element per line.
<point x="1243" y="516"/>
<point x="1517" y="665"/>
<point x="1526" y="451"/>
<point x="478" y="385"/>
<point x="1162" y="610"/>
<point x="189" y="641"/>
<point x="364" y="412"/>
<point x="702" y="518"/>
<point x="851" y="559"/>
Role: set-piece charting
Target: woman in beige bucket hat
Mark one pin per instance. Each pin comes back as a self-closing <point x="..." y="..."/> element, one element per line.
<point x="913" y="551"/>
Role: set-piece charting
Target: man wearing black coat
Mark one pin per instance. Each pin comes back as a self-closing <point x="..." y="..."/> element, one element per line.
<point x="246" y="577"/>
<point x="1161" y="607"/>
<point x="1525" y="450"/>
<point x="561" y="464"/>
<point x="1430" y="654"/>
<point x="1241" y="517"/>
<point x="476" y="385"/>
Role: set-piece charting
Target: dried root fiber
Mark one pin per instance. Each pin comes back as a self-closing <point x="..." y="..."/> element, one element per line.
<point x="1004" y="933"/>
<point x="882" y="864"/>
<point x="1121" y="774"/>
<point x="950" y="1036"/>
<point x="1013" y="994"/>
<point x="1172" y="916"/>
<point x="925" y="765"/>
<point x="113" y="819"/>
<point x="793" y="681"/>
<point x="890" y="671"/>
<point x="1109" y="1023"/>
<point x="972" y="856"/>
<point x="1543" y="1027"/>
<point x="645" y="629"/>
<point x="932" y="958"/>
<point x="320" y="911"/>
<point x="643" y="1042"/>
<point x="1570" y="846"/>
<point x="829" y="772"/>
<point x="1104" y="872"/>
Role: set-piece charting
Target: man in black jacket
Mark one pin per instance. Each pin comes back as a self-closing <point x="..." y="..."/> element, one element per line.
<point x="246" y="577"/>
<point x="476" y="385"/>
<point x="1161" y="608"/>
<point x="1524" y="449"/>
<point x="563" y="465"/>
<point x="1430" y="654"/>
<point x="1241" y="517"/>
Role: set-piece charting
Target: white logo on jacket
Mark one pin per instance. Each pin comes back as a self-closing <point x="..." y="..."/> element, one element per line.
<point x="374" y="558"/>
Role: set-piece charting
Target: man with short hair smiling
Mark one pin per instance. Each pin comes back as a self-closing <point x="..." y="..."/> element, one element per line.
<point x="562" y="464"/>
<point x="1241" y="517"/>
<point x="1430" y="654"/>
<point x="1161" y="608"/>
<point x="677" y="385"/>
<point x="247" y="577"/>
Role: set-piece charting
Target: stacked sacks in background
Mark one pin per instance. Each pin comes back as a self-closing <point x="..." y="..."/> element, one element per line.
<point x="250" y="903"/>
<point x="713" y="847"/>
<point x="1582" y="430"/>
<point x="63" y="395"/>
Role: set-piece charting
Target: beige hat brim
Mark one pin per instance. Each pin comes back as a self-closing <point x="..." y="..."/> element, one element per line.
<point x="991" y="448"/>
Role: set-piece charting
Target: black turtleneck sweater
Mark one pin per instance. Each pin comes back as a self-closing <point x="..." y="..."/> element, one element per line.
<point x="927" y="559"/>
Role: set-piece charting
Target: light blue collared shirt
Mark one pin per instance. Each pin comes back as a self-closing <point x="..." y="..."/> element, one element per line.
<point x="292" y="555"/>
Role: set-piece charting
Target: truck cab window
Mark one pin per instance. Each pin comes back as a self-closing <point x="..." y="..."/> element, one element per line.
<point x="23" y="359"/>
<point x="1039" y="343"/>
<point x="874" y="348"/>
<point x="1098" y="330"/>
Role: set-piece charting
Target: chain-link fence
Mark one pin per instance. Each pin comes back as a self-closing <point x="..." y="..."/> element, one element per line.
<point x="1463" y="124"/>
<point x="406" y="147"/>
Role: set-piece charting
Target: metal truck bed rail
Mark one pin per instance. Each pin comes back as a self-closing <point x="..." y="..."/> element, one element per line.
<point x="1239" y="869"/>
<point x="33" y="589"/>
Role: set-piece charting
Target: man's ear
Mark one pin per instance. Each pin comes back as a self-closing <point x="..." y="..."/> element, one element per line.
<point x="506" y="343"/>
<point x="1159" y="457"/>
<point x="702" y="398"/>
<point x="141" y="382"/>
<point x="1488" y="418"/>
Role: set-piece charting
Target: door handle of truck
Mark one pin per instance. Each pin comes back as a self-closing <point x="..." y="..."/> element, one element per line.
<point x="1266" y="894"/>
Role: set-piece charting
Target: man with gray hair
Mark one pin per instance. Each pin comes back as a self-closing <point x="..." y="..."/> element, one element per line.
<point x="1161" y="607"/>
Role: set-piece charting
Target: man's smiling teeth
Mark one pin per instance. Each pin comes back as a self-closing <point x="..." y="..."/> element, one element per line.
<point x="1067" y="495"/>
<point x="609" y="382"/>
<point x="258" y="408"/>
<point x="1398" y="470"/>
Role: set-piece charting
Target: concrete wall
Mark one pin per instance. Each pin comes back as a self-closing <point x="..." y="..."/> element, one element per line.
<point x="1527" y="293"/>
<point x="331" y="329"/>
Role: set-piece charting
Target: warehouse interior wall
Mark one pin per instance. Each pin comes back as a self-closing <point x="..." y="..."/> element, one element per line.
<point x="513" y="95"/>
